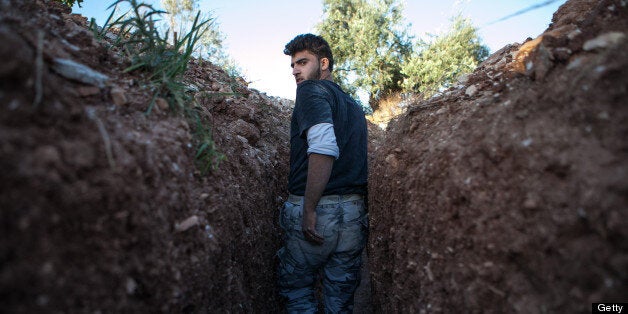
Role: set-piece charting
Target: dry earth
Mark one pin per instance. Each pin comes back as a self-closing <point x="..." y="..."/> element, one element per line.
<point x="103" y="207"/>
<point x="509" y="192"/>
<point x="505" y="193"/>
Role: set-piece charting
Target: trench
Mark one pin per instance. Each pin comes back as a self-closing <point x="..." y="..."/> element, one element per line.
<point x="505" y="193"/>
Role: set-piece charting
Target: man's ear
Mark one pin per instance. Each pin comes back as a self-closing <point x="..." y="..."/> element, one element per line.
<point x="324" y="64"/>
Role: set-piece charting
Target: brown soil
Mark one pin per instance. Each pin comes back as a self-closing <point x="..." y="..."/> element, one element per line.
<point x="142" y="230"/>
<point x="505" y="193"/>
<point x="508" y="193"/>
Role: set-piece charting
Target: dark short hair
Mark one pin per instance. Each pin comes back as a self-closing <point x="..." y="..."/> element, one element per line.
<point x="312" y="43"/>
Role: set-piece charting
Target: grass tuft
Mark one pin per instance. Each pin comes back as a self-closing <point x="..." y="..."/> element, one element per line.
<point x="207" y="157"/>
<point x="152" y="52"/>
<point x="164" y="63"/>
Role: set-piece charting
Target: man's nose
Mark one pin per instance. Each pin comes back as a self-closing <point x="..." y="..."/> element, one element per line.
<point x="295" y="71"/>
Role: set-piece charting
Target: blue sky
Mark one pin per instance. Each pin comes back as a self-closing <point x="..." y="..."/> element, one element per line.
<point x="256" y="31"/>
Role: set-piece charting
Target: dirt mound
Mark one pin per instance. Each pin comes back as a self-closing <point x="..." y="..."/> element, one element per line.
<point x="507" y="193"/>
<point x="103" y="207"/>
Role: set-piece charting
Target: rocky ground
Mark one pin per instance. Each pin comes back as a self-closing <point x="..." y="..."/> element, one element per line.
<point x="505" y="193"/>
<point x="103" y="206"/>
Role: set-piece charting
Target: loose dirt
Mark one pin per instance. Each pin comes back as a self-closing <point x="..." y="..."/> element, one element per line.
<point x="103" y="207"/>
<point x="505" y="193"/>
<point x="508" y="193"/>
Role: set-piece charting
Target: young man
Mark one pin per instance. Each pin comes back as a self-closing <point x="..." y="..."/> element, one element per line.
<point x="324" y="219"/>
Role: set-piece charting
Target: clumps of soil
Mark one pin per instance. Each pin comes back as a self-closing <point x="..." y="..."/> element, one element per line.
<point x="103" y="206"/>
<point x="507" y="193"/>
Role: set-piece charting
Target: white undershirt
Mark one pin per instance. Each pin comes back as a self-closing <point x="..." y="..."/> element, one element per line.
<point x="321" y="139"/>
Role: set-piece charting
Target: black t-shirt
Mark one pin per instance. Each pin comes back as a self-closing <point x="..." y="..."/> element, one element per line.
<point x="322" y="101"/>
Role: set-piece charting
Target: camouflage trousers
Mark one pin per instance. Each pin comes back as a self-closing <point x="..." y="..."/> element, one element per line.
<point x="344" y="224"/>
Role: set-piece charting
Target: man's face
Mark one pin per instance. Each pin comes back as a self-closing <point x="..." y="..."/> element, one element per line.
<point x="305" y="66"/>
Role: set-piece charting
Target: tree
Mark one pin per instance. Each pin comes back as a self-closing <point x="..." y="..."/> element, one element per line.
<point x="179" y="12"/>
<point x="181" y="15"/>
<point x="437" y="64"/>
<point x="369" y="44"/>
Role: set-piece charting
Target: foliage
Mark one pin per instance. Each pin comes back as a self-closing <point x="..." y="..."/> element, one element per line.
<point x="437" y="65"/>
<point x="100" y="32"/>
<point x="373" y="52"/>
<point x="207" y="157"/>
<point x="70" y="3"/>
<point x="151" y="52"/>
<point x="180" y="16"/>
<point x="369" y="44"/>
<point x="164" y="63"/>
<point x="177" y="8"/>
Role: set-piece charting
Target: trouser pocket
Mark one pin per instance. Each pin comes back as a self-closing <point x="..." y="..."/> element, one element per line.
<point x="291" y="216"/>
<point x="354" y="231"/>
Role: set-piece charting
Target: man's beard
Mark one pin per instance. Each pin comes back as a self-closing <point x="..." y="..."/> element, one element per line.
<point x="317" y="74"/>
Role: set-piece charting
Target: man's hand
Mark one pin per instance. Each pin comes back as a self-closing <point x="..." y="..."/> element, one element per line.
<point x="318" y="172"/>
<point x="308" y="224"/>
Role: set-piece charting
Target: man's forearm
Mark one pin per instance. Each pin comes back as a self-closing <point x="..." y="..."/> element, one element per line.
<point x="318" y="173"/>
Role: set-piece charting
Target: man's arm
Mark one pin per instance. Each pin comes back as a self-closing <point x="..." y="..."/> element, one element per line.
<point x="318" y="173"/>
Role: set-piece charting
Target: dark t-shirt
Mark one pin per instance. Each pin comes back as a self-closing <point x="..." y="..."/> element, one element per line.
<point x="322" y="101"/>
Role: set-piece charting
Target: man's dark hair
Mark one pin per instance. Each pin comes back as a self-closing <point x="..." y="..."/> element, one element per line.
<point x="312" y="43"/>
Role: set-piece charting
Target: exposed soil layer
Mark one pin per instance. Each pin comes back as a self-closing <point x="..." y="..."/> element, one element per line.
<point x="102" y="206"/>
<point x="508" y="193"/>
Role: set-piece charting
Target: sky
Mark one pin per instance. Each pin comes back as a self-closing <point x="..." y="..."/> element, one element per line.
<point x="257" y="31"/>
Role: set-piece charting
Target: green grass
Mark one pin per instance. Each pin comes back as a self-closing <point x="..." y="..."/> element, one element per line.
<point x="162" y="63"/>
<point x="99" y="32"/>
<point x="207" y="157"/>
<point x="152" y="52"/>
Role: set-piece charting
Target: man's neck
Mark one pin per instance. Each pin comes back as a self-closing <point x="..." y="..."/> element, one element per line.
<point x="326" y="76"/>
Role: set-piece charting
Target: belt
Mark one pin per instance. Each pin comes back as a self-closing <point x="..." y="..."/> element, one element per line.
<point x="327" y="199"/>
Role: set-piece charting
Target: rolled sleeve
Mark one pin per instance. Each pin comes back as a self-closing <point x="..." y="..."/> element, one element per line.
<point x="321" y="139"/>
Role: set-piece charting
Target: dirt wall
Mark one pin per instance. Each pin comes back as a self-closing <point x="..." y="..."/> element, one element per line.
<point x="507" y="193"/>
<point x="102" y="206"/>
